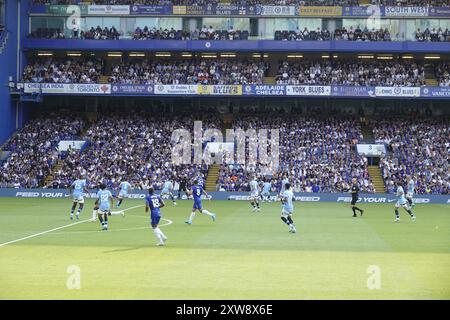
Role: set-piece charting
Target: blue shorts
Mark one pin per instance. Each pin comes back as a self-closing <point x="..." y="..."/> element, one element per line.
<point x="197" y="205"/>
<point x="155" y="219"/>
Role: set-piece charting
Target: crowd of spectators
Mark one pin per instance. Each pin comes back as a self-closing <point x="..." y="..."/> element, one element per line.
<point x="443" y="74"/>
<point x="205" y="33"/>
<point x="412" y="3"/>
<point x="34" y="150"/>
<point x="139" y="151"/>
<point x="350" y="34"/>
<point x="396" y="73"/>
<point x="433" y="35"/>
<point x="419" y="148"/>
<point x="303" y="35"/>
<point x="51" y="70"/>
<point x="317" y="155"/>
<point x="211" y="71"/>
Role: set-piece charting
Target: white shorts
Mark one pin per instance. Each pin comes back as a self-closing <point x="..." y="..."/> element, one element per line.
<point x="403" y="204"/>
<point x="254" y="194"/>
<point x="122" y="194"/>
<point x="265" y="194"/>
<point x="103" y="211"/>
<point x="285" y="212"/>
<point x="409" y="195"/>
<point x="78" y="199"/>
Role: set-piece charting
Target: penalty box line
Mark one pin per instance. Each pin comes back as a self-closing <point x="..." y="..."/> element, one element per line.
<point x="54" y="229"/>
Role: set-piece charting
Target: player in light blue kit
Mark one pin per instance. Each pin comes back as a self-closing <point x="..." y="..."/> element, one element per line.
<point x="124" y="189"/>
<point x="265" y="194"/>
<point x="197" y="191"/>
<point x="154" y="203"/>
<point x="103" y="205"/>
<point x="283" y="183"/>
<point x="79" y="188"/>
<point x="288" y="207"/>
<point x="402" y="202"/>
<point x="167" y="191"/>
<point x="411" y="188"/>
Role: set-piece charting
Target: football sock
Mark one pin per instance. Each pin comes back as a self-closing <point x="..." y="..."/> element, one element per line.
<point x="253" y="204"/>
<point x="163" y="236"/>
<point x="356" y="208"/>
<point x="397" y="214"/>
<point x="285" y="220"/>
<point x="257" y="205"/>
<point x="192" y="216"/>
<point x="94" y="214"/>
<point x="207" y="212"/>
<point x="354" y="211"/>
<point x="410" y="212"/>
<point x="158" y="236"/>
<point x="100" y="218"/>
<point x="119" y="203"/>
<point x="290" y="220"/>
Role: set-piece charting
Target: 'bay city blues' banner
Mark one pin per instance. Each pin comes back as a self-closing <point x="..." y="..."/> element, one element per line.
<point x="227" y="90"/>
<point x="435" y="92"/>
<point x="140" y="89"/>
<point x="218" y="195"/>
<point x="67" y="88"/>
<point x="366" y="11"/>
<point x="108" y="10"/>
<point x="264" y="90"/>
<point x="397" y="91"/>
<point x="353" y="91"/>
<point x="155" y="9"/>
<point x="275" y="10"/>
<point x="308" y="90"/>
<point x="406" y="11"/>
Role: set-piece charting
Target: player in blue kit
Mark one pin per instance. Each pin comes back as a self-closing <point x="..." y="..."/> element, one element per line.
<point x="167" y="191"/>
<point x="288" y="207"/>
<point x="154" y="203"/>
<point x="124" y="189"/>
<point x="103" y="205"/>
<point x="79" y="188"/>
<point x="410" y="190"/>
<point x="402" y="202"/>
<point x="197" y="191"/>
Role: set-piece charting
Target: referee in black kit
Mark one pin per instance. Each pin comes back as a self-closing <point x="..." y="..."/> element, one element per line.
<point x="355" y="197"/>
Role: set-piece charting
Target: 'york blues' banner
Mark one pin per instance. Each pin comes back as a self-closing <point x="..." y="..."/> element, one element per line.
<point x="67" y="88"/>
<point x="406" y="11"/>
<point x="156" y="9"/>
<point x="435" y="92"/>
<point x="276" y="10"/>
<point x="343" y="198"/>
<point x="264" y="90"/>
<point x="132" y="89"/>
<point x="352" y="91"/>
<point x="363" y="11"/>
<point x="308" y="90"/>
<point x="397" y="91"/>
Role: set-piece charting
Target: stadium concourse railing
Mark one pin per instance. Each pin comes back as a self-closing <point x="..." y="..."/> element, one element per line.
<point x="237" y="46"/>
<point x="252" y="90"/>
<point x="238" y="196"/>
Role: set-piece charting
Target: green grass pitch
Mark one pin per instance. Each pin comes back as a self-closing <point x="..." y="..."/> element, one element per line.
<point x="243" y="255"/>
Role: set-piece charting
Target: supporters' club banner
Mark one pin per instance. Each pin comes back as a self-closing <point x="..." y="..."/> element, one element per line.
<point x="132" y="89"/>
<point x="435" y="92"/>
<point x="175" y="89"/>
<point x="108" y="10"/>
<point x="151" y="9"/>
<point x="195" y="10"/>
<point x="308" y="90"/>
<point x="406" y="11"/>
<point x="439" y="12"/>
<point x="397" y="91"/>
<point x="325" y="11"/>
<point x="276" y="10"/>
<point x="226" y="90"/>
<point x="62" y="10"/>
<point x="67" y="88"/>
<point x="352" y="91"/>
<point x="264" y="90"/>
<point x="366" y="11"/>
<point x="179" y="10"/>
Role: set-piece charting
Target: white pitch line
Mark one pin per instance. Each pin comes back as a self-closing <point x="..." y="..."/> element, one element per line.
<point x="43" y="232"/>
<point x="54" y="229"/>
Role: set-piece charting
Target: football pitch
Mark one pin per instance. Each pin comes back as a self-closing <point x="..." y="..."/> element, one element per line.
<point x="243" y="255"/>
